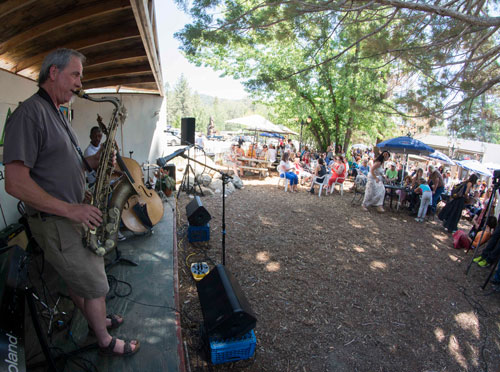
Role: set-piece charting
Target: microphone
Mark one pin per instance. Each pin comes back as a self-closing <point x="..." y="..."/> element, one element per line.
<point x="80" y="93"/>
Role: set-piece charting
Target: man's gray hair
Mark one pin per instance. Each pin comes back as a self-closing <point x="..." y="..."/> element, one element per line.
<point x="59" y="58"/>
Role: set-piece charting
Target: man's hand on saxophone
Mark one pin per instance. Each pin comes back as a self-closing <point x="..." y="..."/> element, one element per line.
<point x="86" y="214"/>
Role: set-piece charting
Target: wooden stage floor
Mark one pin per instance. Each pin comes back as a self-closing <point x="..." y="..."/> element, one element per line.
<point x="149" y="309"/>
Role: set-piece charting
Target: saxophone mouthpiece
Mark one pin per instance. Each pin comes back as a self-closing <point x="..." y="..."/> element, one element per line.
<point x="80" y="93"/>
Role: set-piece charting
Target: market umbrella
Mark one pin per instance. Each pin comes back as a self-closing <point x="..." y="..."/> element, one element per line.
<point x="405" y="145"/>
<point x="441" y="157"/>
<point x="475" y="166"/>
<point x="493" y="166"/>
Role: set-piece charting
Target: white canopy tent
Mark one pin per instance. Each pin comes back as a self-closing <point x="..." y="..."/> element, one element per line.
<point x="256" y="123"/>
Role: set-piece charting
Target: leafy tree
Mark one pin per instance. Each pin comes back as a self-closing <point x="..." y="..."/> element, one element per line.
<point x="341" y="95"/>
<point x="448" y="48"/>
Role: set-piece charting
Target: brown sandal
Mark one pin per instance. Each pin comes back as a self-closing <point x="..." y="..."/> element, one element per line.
<point x="114" y="323"/>
<point x="127" y="348"/>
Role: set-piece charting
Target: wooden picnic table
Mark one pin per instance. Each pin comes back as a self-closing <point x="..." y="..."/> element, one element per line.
<point x="260" y="166"/>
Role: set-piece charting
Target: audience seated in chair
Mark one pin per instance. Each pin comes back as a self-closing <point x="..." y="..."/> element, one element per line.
<point x="461" y="240"/>
<point x="338" y="171"/>
<point x="286" y="170"/>
<point x="304" y="176"/>
<point x="320" y="174"/>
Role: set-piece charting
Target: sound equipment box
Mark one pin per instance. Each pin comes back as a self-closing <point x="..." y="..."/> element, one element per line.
<point x="226" y="311"/>
<point x="187" y="131"/>
<point x="196" y="213"/>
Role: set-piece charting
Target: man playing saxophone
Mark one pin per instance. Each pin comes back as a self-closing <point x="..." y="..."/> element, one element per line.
<point x="39" y="142"/>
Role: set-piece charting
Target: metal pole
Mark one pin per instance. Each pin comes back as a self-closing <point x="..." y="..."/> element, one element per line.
<point x="300" y="143"/>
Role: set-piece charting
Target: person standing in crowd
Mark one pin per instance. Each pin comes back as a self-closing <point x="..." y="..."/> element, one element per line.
<point x="39" y="143"/>
<point x="375" y="190"/>
<point x="271" y="154"/>
<point x="437" y="186"/>
<point x="452" y="212"/>
<point x="426" y="200"/>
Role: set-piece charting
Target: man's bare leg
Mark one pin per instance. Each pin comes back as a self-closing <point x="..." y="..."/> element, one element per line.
<point x="79" y="302"/>
<point x="96" y="316"/>
<point x="94" y="311"/>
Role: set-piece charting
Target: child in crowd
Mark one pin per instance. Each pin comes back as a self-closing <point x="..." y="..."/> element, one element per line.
<point x="426" y="200"/>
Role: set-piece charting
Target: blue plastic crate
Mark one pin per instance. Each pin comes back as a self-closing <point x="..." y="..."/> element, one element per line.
<point x="199" y="233"/>
<point x="232" y="349"/>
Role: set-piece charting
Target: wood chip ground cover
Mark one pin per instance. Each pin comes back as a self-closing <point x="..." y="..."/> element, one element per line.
<point x="338" y="289"/>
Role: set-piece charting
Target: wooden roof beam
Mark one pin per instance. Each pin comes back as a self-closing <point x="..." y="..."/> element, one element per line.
<point x="122" y="55"/>
<point x="143" y="19"/>
<point x="100" y="39"/>
<point x="126" y="70"/>
<point x="113" y="82"/>
<point x="68" y="18"/>
<point x="12" y="6"/>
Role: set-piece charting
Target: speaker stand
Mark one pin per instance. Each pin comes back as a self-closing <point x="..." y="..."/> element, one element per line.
<point x="185" y="179"/>
<point x="225" y="179"/>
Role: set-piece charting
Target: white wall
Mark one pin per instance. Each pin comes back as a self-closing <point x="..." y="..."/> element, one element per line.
<point x="14" y="89"/>
<point x="142" y="130"/>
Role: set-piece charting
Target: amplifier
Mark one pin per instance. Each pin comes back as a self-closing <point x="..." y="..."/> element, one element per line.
<point x="14" y="234"/>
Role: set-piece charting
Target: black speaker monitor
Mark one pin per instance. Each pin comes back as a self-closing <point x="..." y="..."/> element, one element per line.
<point x="196" y="213"/>
<point x="187" y="131"/>
<point x="226" y="311"/>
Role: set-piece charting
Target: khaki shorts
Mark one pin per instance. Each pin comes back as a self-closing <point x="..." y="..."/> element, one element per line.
<point x="61" y="242"/>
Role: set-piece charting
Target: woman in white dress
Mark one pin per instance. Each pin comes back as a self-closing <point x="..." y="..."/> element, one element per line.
<point x="375" y="190"/>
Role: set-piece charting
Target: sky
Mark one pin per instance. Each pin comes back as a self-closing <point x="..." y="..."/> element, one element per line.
<point x="203" y="80"/>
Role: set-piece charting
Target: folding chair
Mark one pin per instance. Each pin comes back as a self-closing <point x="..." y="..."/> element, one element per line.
<point x="321" y="183"/>
<point x="359" y="192"/>
<point x="341" y="184"/>
<point x="282" y="178"/>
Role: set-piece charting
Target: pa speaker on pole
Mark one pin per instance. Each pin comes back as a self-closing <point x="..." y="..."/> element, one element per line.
<point x="187" y="131"/>
<point x="196" y="213"/>
<point x="226" y="311"/>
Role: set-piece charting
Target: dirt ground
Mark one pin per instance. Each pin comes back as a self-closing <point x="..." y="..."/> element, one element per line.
<point x="338" y="289"/>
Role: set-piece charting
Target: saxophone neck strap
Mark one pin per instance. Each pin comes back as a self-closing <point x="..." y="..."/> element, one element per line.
<point x="43" y="93"/>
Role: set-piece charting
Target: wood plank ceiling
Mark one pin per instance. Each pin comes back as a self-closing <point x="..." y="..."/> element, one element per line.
<point x="118" y="37"/>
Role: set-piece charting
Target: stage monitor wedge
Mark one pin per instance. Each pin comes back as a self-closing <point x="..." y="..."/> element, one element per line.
<point x="196" y="213"/>
<point x="188" y="126"/>
<point x="226" y="310"/>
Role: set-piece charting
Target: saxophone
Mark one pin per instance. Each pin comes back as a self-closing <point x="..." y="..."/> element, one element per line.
<point x="102" y="239"/>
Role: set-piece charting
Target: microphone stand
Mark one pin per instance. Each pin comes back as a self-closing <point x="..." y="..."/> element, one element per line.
<point x="225" y="180"/>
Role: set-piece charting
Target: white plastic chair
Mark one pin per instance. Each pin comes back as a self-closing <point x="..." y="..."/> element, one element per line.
<point x="341" y="184"/>
<point x="323" y="183"/>
<point x="282" y="178"/>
